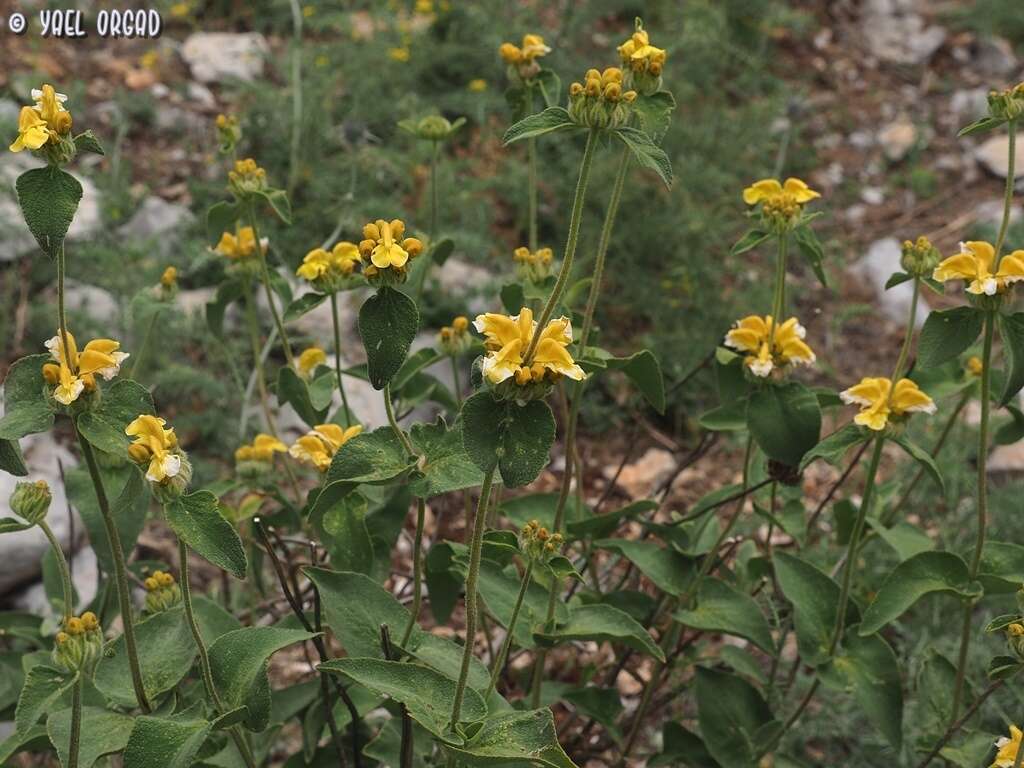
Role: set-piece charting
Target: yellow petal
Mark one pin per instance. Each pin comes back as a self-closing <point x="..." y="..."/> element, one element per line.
<point x="907" y="398"/>
<point x="962" y="266"/>
<point x="759" y="190"/>
<point x="799" y="189"/>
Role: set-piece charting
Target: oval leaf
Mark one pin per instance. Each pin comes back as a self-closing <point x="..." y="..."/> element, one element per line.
<point x="785" y="421"/>
<point x="946" y="334"/>
<point x="388" y="322"/>
<point x="196" y="519"/>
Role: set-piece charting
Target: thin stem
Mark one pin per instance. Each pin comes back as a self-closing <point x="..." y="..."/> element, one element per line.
<point x="954" y="727"/>
<point x="204" y="656"/>
<point x="140" y="353"/>
<point x="62" y="320"/>
<point x="62" y="566"/>
<point x="257" y="356"/>
<point x="531" y="168"/>
<point x="74" y="747"/>
<point x="1008" y="195"/>
<point x="570" y="244"/>
<point x="499" y="662"/>
<point x="791" y="720"/>
<point x="389" y="408"/>
<point x="908" y="336"/>
<point x="120" y="572"/>
<point x="417" y="571"/>
<point x="455" y="381"/>
<point x="855" y="536"/>
<point x="265" y="276"/>
<point x="779" y="299"/>
<point x="434" y="153"/>
<point x="982" y="507"/>
<point x="337" y="358"/>
<point x="472" y="577"/>
<point x="296" y="138"/>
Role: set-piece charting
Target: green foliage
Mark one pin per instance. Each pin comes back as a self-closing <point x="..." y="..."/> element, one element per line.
<point x="49" y="198"/>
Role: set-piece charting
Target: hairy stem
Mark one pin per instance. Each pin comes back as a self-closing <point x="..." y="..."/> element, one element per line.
<point x="499" y="662"/>
<point x="531" y="168"/>
<point x="417" y="571"/>
<point x="62" y="566"/>
<point x="337" y="358"/>
<point x="265" y="277"/>
<point x="147" y="337"/>
<point x="1008" y="194"/>
<point x="257" y="355"/>
<point x="74" y="747"/>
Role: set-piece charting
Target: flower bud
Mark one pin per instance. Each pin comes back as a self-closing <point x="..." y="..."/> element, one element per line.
<point x="919" y="258"/>
<point x="31" y="501"/>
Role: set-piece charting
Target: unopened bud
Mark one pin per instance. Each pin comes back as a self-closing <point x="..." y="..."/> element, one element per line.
<point x="31" y="501"/>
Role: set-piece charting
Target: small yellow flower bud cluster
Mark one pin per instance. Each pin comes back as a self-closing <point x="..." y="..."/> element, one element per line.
<point x="781" y="203"/>
<point x="167" y="288"/>
<point x="167" y="466"/>
<point x="600" y="101"/>
<point x="432" y="127"/>
<point x="642" y="61"/>
<point x="919" y="257"/>
<point x="162" y="592"/>
<point x="540" y="544"/>
<point x="477" y="85"/>
<point x="331" y="271"/>
<point x="974" y="365"/>
<point x="522" y="60"/>
<point x="46" y="126"/>
<point x="1007" y="104"/>
<point x="256" y="459"/>
<point x="79" y="645"/>
<point x="387" y="251"/>
<point x="229" y="132"/>
<point x="31" y="501"/>
<point x="247" y="177"/>
<point x="534" y="266"/>
<point x="455" y="339"/>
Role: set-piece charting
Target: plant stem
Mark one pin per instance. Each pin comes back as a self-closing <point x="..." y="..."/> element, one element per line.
<point x="499" y="662"/>
<point x="204" y="657"/>
<point x="908" y="336"/>
<point x="570" y="244"/>
<point x="475" y="550"/>
<point x="74" y="747"/>
<point x="417" y="571"/>
<point x="531" y="169"/>
<point x="62" y="566"/>
<point x="120" y="572"/>
<point x="144" y="347"/>
<point x="265" y="276"/>
<point x="954" y="727"/>
<point x="434" y="153"/>
<point x="62" y="320"/>
<point x="257" y="356"/>
<point x="455" y="380"/>
<point x="982" y="507"/>
<point x="389" y="408"/>
<point x="1008" y="194"/>
<point x="854" y="545"/>
<point x="779" y="298"/>
<point x="337" y="358"/>
<point x="296" y="138"/>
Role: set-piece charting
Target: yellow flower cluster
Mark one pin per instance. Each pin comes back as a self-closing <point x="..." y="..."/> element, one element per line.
<point x="157" y="448"/>
<point x="169" y="278"/>
<point x="507" y="340"/>
<point x="601" y="100"/>
<point x="539" y="543"/>
<point x="326" y="270"/>
<point x="307" y="362"/>
<point x="881" y="403"/>
<point x="79" y="644"/>
<point x="533" y="265"/>
<point x="533" y="48"/>
<point x="454" y="339"/>
<point x="241" y="246"/>
<point x="247" y="177"/>
<point x="74" y="373"/>
<point x="228" y="131"/>
<point x="262" y="448"/>
<point x="1006" y="749"/>
<point x="643" y="61"/>
<point x="974" y="365"/>
<point x="383" y="245"/>
<point x="974" y="266"/>
<point x="319" y="446"/>
<point x="162" y="592"/>
<point x="770" y="348"/>
<point x="781" y="203"/>
<point x="919" y="257"/>
<point x="47" y="122"/>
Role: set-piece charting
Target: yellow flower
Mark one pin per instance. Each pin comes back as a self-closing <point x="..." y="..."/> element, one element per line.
<point x="753" y="335"/>
<point x="974" y="365"/>
<point x="1007" y="749"/>
<point x="241" y="246"/>
<point x="639" y="55"/>
<point x="155" y="445"/>
<point x="247" y="177"/>
<point x="533" y="47"/>
<point x="74" y="372"/>
<point x="340" y="261"/>
<point x="319" y="446"/>
<point x="308" y="11"/>
<point x="262" y="448"/>
<point x="477" y="85"/>
<point x="878" y="405"/>
<point x="32" y="133"/>
<point x="308" y="361"/>
<point x="399" y="54"/>
<point x="381" y="244"/>
<point x="180" y="10"/>
<point x="507" y="339"/>
<point x="50" y="106"/>
<point x="973" y="265"/>
<point x="779" y="201"/>
<point x="169" y="277"/>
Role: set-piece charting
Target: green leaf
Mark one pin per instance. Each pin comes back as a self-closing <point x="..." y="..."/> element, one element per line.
<point x="515" y="438"/>
<point x="834" y="447"/>
<point x="1001" y="570"/>
<point x="721" y="608"/>
<point x="103" y="733"/>
<point x="1011" y="331"/>
<point x="1003" y="667"/>
<point x="655" y="112"/>
<point x="730" y="417"/>
<point x="27" y="409"/>
<point x="223" y="217"/>
<point x="120" y="404"/>
<point x="279" y="203"/>
<point x="43" y="686"/>
<point x="515" y="737"/>
<point x="922" y="457"/>
<point x="49" y="198"/>
<point x="904" y="538"/>
<point x="785" y="421"/>
<point x="87" y="142"/>
<point x="948" y="333"/>
<point x="667" y="569"/>
<point x="731" y="712"/>
<point x="914" y="578"/>
<point x="1013" y="430"/>
<point x="441" y="250"/>
<point x="815" y="599"/>
<point x="984" y="125"/>
<point x="897" y="278"/>
<point x="197" y="521"/>
<point x="12" y="525"/>
<point x="415" y="363"/>
<point x="11" y="460"/>
<point x="601" y="622"/>
<point x="973" y="750"/>
<point x="550" y="120"/>
<point x="600" y="526"/>
<point x="33" y="740"/>
<point x="388" y="322"/>
<point x="444" y="462"/>
<point x="370" y="457"/>
<point x="130" y="507"/>
<point x="644" y="370"/>
<point x="867" y="668"/>
<point x="499" y="588"/>
<point x="238" y="660"/>
<point x="811" y="248"/>
<point x="681" y="747"/>
<point x="647" y="153"/>
<point x="347" y="538"/>
<point x="295" y="391"/>
<point x="307" y="302"/>
<point x="164" y="742"/>
<point x="427" y="694"/>
<point x="750" y="240"/>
